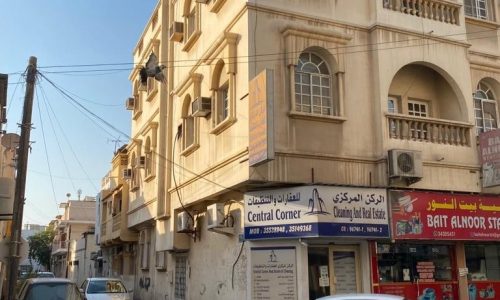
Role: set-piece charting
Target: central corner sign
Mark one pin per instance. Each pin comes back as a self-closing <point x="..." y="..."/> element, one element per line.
<point x="313" y="211"/>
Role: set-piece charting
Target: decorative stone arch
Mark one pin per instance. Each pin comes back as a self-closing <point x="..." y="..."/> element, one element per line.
<point x="461" y="112"/>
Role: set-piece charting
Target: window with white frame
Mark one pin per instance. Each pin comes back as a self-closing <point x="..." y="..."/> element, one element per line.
<point x="188" y="124"/>
<point x="419" y="109"/>
<point x="480" y="9"/>
<point x="191" y="13"/>
<point x="485" y="108"/>
<point x="134" y="178"/>
<point x="144" y="244"/>
<point x="149" y="159"/>
<point x="313" y="85"/>
<point x="180" y="277"/>
<point x="137" y="99"/>
<point x="393" y="105"/>
<point x="223" y="103"/>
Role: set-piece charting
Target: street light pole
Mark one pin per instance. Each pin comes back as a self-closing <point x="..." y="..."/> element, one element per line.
<point x="22" y="166"/>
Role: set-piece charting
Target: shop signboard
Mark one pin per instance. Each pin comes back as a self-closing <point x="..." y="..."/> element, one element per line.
<point x="274" y="273"/>
<point x="423" y="215"/>
<point x="489" y="147"/>
<point x="313" y="211"/>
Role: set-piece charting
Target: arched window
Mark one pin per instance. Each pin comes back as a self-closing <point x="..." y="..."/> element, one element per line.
<point x="149" y="159"/>
<point x="191" y="14"/>
<point x="188" y="124"/>
<point x="220" y="86"/>
<point x="134" y="178"/>
<point x="313" y="85"/>
<point x="485" y="108"/>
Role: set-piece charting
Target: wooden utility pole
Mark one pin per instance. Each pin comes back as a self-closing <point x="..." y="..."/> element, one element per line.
<point x="22" y="166"/>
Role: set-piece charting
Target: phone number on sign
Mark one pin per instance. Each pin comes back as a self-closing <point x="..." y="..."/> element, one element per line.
<point x="282" y="229"/>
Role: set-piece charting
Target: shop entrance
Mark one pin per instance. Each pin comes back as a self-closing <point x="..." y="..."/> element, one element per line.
<point x="334" y="270"/>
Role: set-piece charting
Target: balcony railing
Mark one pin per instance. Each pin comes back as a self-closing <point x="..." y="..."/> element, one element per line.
<point x="438" y="10"/>
<point x="404" y="127"/>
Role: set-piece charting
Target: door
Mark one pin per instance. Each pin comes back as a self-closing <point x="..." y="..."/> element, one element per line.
<point x="345" y="268"/>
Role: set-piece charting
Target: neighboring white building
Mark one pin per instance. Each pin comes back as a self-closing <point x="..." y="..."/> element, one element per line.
<point x="82" y="258"/>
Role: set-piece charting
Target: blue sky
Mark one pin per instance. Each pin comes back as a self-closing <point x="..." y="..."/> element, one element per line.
<point x="63" y="33"/>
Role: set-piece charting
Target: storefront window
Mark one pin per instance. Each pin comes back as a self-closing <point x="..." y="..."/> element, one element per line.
<point x="318" y="261"/>
<point x="412" y="262"/>
<point x="483" y="261"/>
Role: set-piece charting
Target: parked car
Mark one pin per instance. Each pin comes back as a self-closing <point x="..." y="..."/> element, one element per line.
<point x="104" y="289"/>
<point x="49" y="289"/>
<point x="45" y="275"/>
<point x="362" y="297"/>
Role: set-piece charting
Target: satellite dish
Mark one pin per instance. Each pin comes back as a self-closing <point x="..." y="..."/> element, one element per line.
<point x="10" y="140"/>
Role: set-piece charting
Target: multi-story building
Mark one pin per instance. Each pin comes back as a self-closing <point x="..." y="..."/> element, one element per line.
<point x="279" y="152"/>
<point x="117" y="241"/>
<point x="147" y="152"/>
<point x="306" y="148"/>
<point x="78" y="218"/>
<point x="82" y="252"/>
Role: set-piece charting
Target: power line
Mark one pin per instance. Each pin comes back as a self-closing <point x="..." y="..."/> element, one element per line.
<point x="423" y="37"/>
<point x="70" y="147"/>
<point x="57" y="140"/>
<point x="46" y="151"/>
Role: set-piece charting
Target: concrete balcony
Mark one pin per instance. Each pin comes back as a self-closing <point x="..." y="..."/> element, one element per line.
<point x="59" y="247"/>
<point x="114" y="230"/>
<point x="438" y="131"/>
<point x="437" y="10"/>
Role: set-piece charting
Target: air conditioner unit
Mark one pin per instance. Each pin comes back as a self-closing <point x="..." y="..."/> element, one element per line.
<point x="176" y="31"/>
<point x="405" y="164"/>
<point x="184" y="222"/>
<point x="130" y="103"/>
<point x="161" y="260"/>
<point x="201" y="106"/>
<point x="215" y="216"/>
<point x="141" y="161"/>
<point x="127" y="173"/>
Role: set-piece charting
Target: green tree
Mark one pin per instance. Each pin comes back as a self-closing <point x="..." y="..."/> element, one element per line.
<point x="40" y="247"/>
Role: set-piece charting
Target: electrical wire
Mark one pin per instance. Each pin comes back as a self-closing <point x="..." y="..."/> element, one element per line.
<point x="82" y="168"/>
<point x="280" y="53"/>
<point x="78" y="106"/>
<point x="175" y="181"/>
<point x="89" y="101"/>
<point x="46" y="151"/>
<point x="234" y="264"/>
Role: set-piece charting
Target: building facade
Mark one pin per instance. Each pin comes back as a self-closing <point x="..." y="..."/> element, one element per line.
<point x="306" y="148"/>
<point x="118" y="243"/>
<point x="78" y="219"/>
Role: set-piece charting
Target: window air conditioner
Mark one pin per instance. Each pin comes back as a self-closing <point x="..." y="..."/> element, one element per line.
<point x="127" y="173"/>
<point x="176" y="31"/>
<point x="406" y="164"/>
<point x="161" y="260"/>
<point x="141" y="161"/>
<point x="215" y="216"/>
<point x="201" y="106"/>
<point x="130" y="103"/>
<point x="184" y="223"/>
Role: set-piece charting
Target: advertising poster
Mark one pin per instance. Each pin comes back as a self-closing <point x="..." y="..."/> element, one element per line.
<point x="274" y="273"/>
<point x="422" y="215"/>
<point x="309" y="211"/>
<point x="489" y="147"/>
<point x="424" y="291"/>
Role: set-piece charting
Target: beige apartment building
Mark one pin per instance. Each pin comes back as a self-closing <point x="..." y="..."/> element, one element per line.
<point x="299" y="149"/>
<point x="77" y="220"/>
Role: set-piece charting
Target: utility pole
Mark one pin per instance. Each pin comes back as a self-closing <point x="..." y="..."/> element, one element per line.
<point x="22" y="166"/>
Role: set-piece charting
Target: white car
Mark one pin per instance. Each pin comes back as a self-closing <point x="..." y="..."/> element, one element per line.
<point x="362" y="297"/>
<point x="104" y="289"/>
